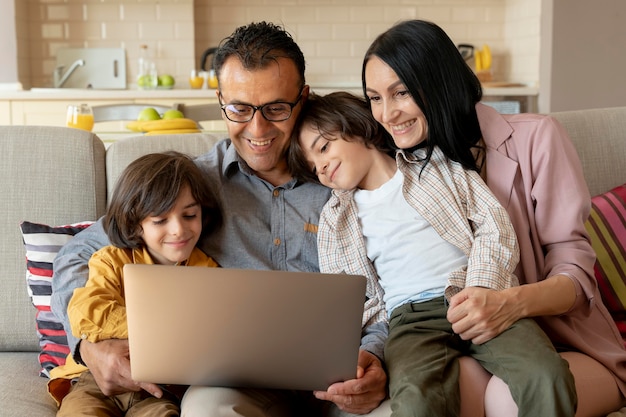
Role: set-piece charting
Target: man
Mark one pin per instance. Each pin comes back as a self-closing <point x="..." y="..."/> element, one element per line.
<point x="270" y="223"/>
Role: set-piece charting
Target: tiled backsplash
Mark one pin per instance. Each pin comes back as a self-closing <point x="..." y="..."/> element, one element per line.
<point x="333" y="34"/>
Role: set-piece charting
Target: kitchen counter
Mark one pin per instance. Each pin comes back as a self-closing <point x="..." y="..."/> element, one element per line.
<point x="82" y="93"/>
<point x="47" y="106"/>
<point x="176" y="93"/>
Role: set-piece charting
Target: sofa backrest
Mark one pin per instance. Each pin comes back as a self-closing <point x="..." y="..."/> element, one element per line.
<point x="600" y="139"/>
<point x="51" y="175"/>
<point x="123" y="152"/>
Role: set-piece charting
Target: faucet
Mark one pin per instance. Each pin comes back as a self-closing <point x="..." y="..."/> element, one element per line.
<point x="59" y="79"/>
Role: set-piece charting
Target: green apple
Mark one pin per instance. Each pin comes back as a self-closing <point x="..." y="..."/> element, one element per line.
<point x="166" y="80"/>
<point x="149" y="113"/>
<point x="173" y="114"/>
<point x="147" y="82"/>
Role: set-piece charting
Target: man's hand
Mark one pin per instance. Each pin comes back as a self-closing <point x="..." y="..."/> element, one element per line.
<point x="108" y="361"/>
<point x="480" y="314"/>
<point x="363" y="394"/>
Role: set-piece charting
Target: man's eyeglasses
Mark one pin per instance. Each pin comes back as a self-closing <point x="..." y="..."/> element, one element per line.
<point x="277" y="111"/>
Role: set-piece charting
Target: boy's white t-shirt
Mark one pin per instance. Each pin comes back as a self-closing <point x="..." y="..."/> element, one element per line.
<point x="413" y="262"/>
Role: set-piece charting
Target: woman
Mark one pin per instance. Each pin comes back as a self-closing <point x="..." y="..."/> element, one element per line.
<point x="530" y="164"/>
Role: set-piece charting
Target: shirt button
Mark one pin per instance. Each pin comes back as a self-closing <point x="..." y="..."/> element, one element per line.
<point x="276" y="193"/>
<point x="276" y="241"/>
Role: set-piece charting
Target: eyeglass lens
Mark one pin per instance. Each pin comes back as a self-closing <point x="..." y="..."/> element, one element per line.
<point x="274" y="112"/>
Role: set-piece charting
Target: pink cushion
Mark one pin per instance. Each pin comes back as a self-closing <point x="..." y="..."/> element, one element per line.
<point x="607" y="228"/>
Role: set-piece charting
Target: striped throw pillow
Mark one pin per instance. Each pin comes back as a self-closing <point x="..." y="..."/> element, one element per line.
<point x="607" y="228"/>
<point x="42" y="242"/>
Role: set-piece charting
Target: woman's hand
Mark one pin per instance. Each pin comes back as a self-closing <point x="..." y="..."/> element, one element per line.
<point x="480" y="314"/>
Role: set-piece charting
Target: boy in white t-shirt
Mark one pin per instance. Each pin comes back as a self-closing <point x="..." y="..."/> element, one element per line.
<point x="420" y="227"/>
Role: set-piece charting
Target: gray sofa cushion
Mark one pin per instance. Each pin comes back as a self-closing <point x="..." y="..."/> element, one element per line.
<point x="51" y="175"/>
<point x="599" y="136"/>
<point x="22" y="392"/>
<point x="124" y="151"/>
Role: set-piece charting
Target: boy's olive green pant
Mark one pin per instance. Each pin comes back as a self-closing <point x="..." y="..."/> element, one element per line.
<point x="422" y="354"/>
<point x="86" y="399"/>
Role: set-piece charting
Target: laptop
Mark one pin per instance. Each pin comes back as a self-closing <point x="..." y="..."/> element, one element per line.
<point x="242" y="328"/>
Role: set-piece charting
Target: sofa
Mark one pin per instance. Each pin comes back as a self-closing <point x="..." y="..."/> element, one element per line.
<point x="59" y="176"/>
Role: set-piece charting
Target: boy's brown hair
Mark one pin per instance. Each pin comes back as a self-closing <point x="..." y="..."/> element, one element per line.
<point x="149" y="186"/>
<point x="336" y="114"/>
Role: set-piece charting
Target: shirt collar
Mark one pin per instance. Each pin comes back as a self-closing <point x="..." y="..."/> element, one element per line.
<point x="142" y="256"/>
<point x="234" y="163"/>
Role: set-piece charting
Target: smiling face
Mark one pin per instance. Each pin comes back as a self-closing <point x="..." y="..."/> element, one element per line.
<point x="171" y="237"/>
<point x="261" y="143"/>
<point x="344" y="164"/>
<point x="393" y="106"/>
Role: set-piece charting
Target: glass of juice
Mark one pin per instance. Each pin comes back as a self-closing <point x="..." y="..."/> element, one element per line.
<point x="196" y="80"/>
<point x="79" y="116"/>
<point x="212" y="79"/>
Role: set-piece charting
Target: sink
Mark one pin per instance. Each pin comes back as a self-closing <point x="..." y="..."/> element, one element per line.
<point x="71" y="91"/>
<point x="56" y="90"/>
<point x="102" y="67"/>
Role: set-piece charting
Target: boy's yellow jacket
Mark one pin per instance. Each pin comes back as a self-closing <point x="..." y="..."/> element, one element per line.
<point x="98" y="311"/>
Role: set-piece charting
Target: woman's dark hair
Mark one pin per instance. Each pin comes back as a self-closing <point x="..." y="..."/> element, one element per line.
<point x="256" y="45"/>
<point x="149" y="186"/>
<point x="339" y="113"/>
<point x="443" y="86"/>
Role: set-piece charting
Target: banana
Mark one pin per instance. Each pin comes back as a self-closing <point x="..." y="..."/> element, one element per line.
<point x="171" y="132"/>
<point x="135" y="126"/>
<point x="478" y="60"/>
<point x="161" y="125"/>
<point x="486" y="57"/>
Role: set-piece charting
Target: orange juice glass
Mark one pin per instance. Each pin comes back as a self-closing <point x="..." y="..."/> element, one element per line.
<point x="196" y="80"/>
<point x="212" y="79"/>
<point x="79" y="117"/>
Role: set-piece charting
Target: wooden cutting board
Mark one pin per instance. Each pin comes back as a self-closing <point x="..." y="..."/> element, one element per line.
<point x="498" y="84"/>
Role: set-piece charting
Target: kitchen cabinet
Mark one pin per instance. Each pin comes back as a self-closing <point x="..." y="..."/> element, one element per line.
<point x="5" y="113"/>
<point x="48" y="107"/>
<point x="525" y="96"/>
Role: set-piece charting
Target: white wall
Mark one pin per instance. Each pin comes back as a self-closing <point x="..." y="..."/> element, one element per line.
<point x="572" y="49"/>
<point x="334" y="34"/>
<point x="8" y="43"/>
<point x="522" y="37"/>
<point x="583" y="60"/>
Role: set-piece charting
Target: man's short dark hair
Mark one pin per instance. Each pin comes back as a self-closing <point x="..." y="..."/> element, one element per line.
<point x="257" y="45"/>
